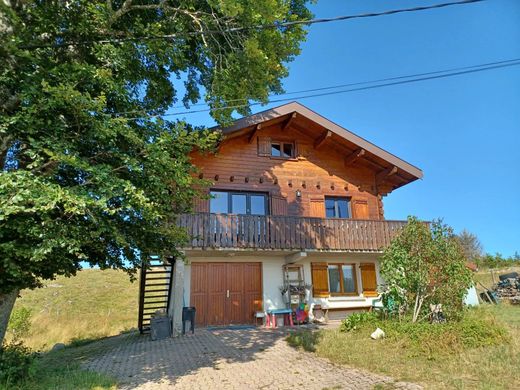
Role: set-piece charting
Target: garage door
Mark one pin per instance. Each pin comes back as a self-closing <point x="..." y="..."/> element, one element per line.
<point x="226" y="293"/>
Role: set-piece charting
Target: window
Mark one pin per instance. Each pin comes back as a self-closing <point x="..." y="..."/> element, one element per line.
<point x="282" y="149"/>
<point x="337" y="207"/>
<point x="226" y="202"/>
<point x="342" y="279"/>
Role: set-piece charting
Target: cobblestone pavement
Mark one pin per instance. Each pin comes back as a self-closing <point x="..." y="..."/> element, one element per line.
<point x="224" y="359"/>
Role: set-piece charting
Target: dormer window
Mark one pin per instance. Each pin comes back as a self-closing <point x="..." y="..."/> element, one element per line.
<point x="282" y="149"/>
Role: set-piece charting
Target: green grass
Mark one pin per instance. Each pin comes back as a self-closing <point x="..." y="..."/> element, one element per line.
<point x="61" y="370"/>
<point x="91" y="305"/>
<point x="442" y="358"/>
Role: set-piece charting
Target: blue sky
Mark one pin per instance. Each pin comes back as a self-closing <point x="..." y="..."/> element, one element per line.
<point x="463" y="132"/>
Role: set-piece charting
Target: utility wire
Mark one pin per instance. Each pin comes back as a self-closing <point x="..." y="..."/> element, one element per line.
<point x="357" y="83"/>
<point x="432" y="77"/>
<point x="245" y="28"/>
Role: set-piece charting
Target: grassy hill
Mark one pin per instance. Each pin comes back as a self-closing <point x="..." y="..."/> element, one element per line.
<point x="90" y="305"/>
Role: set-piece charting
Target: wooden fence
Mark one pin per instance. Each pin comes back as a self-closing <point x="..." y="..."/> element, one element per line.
<point x="287" y="232"/>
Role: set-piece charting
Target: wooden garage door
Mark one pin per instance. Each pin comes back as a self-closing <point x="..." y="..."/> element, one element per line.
<point x="226" y="293"/>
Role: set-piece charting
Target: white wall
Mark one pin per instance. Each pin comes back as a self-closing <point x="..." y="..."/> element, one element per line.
<point x="272" y="276"/>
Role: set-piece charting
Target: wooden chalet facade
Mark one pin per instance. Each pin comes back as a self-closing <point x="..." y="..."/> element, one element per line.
<point x="289" y="188"/>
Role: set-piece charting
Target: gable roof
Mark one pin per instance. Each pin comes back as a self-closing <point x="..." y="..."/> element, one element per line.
<point x="390" y="169"/>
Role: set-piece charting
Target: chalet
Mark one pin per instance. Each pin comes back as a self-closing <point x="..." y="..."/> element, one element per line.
<point x="296" y="200"/>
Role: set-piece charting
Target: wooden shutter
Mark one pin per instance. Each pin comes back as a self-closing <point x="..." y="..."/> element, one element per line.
<point x="201" y="205"/>
<point x="320" y="280"/>
<point x="264" y="146"/>
<point x="369" y="280"/>
<point x="278" y="205"/>
<point x="360" y="209"/>
<point x="317" y="208"/>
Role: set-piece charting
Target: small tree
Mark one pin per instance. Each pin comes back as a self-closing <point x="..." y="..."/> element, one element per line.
<point x="470" y="245"/>
<point x="426" y="264"/>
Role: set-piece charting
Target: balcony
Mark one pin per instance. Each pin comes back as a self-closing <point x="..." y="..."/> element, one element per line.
<point x="229" y="231"/>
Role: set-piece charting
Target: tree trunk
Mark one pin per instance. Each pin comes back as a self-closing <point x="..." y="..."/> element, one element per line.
<point x="6" y="307"/>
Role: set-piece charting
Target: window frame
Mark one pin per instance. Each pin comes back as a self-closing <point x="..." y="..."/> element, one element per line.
<point x="282" y="144"/>
<point x="248" y="195"/>
<point x="335" y="199"/>
<point x="342" y="292"/>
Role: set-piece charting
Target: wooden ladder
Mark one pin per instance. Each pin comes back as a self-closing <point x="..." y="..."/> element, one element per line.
<point x="154" y="290"/>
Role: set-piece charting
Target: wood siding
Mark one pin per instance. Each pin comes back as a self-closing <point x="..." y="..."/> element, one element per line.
<point x="286" y="232"/>
<point x="318" y="170"/>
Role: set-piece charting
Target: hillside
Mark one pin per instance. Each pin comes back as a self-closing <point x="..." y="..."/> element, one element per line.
<point x="90" y="305"/>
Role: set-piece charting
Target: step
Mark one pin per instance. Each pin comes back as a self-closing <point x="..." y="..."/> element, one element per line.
<point x="154" y="302"/>
<point x="157" y="284"/>
<point x="149" y="291"/>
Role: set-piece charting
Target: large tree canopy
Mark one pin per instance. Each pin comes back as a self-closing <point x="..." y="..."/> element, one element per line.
<point x="89" y="170"/>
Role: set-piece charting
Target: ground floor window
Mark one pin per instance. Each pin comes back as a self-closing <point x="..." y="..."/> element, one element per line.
<point x="342" y="279"/>
<point x="337" y="279"/>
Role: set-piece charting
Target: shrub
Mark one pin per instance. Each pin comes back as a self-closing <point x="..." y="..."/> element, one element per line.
<point x="16" y="363"/>
<point x="426" y="265"/>
<point x="19" y="323"/>
<point x="354" y="321"/>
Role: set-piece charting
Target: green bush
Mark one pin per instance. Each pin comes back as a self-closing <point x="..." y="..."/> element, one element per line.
<point x="16" y="363"/>
<point x="354" y="321"/>
<point x="19" y="323"/>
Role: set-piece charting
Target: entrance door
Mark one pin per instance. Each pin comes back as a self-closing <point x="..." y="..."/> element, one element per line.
<point x="226" y="293"/>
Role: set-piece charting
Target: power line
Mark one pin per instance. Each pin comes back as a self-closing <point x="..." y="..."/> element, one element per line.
<point x="244" y="28"/>
<point x="432" y="77"/>
<point x="359" y="83"/>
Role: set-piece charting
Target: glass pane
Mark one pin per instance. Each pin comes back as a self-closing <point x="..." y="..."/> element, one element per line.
<point x="238" y="204"/>
<point x="329" y="208"/>
<point x="258" y="204"/>
<point x="218" y="202"/>
<point x="288" y="150"/>
<point x="334" y="284"/>
<point x="276" y="150"/>
<point x="348" y="279"/>
<point x="342" y="208"/>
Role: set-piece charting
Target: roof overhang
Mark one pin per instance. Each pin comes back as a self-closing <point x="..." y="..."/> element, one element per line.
<point x="390" y="169"/>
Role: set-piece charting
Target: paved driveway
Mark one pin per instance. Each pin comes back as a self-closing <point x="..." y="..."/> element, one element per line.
<point x="224" y="359"/>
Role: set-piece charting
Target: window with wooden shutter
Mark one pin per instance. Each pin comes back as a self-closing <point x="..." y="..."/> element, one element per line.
<point x="264" y="146"/>
<point x="278" y="205"/>
<point x="369" y="280"/>
<point x="320" y="280"/>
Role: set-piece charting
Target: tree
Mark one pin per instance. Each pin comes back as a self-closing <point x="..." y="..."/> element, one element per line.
<point x="426" y="264"/>
<point x="470" y="245"/>
<point x="89" y="170"/>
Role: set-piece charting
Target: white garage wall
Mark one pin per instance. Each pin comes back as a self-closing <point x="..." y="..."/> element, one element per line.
<point x="272" y="276"/>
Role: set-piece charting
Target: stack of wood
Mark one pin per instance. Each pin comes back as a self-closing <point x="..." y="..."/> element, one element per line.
<point x="508" y="287"/>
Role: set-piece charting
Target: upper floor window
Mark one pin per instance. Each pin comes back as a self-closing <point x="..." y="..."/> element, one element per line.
<point x="229" y="202"/>
<point x="282" y="149"/>
<point x="337" y="207"/>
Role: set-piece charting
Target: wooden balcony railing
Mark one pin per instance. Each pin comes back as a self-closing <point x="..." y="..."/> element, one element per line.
<point x="287" y="233"/>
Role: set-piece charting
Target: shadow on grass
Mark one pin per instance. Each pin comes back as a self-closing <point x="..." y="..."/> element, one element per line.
<point x="306" y="339"/>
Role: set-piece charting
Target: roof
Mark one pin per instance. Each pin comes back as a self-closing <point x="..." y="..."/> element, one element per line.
<point x="394" y="171"/>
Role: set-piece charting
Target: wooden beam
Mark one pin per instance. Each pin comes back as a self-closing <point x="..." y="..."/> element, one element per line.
<point x="323" y="138"/>
<point x="383" y="175"/>
<point x="289" y="121"/>
<point x="252" y="136"/>
<point x="354" y="156"/>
